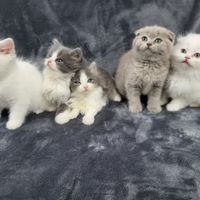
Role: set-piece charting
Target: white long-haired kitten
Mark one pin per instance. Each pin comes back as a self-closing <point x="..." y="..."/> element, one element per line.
<point x="20" y="86"/>
<point x="183" y="83"/>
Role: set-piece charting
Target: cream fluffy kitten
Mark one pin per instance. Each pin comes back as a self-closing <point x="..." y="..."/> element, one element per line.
<point x="91" y="88"/>
<point x="20" y="86"/>
<point x="183" y="82"/>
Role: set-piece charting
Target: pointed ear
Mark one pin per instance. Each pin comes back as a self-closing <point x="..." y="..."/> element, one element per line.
<point x="171" y="36"/>
<point x="93" y="68"/>
<point x="76" y="54"/>
<point x="7" y="46"/>
<point x="55" y="42"/>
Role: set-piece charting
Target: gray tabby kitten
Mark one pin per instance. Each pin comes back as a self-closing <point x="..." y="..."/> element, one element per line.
<point x="91" y="89"/>
<point x="143" y="69"/>
<point x="60" y="66"/>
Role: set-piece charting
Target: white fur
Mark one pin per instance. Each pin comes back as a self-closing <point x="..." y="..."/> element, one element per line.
<point x="184" y="80"/>
<point x="20" y="89"/>
<point x="88" y="103"/>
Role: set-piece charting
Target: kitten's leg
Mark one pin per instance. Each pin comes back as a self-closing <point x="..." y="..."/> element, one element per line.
<point x="115" y="96"/>
<point x="176" y="104"/>
<point x="17" y="115"/>
<point x="153" y="104"/>
<point x="164" y="98"/>
<point x="133" y="96"/>
<point x="88" y="119"/>
<point x="74" y="113"/>
<point x="38" y="111"/>
<point x="62" y="114"/>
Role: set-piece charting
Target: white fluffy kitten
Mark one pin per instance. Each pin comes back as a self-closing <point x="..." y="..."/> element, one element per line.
<point x="20" y="86"/>
<point x="91" y="88"/>
<point x="183" y="83"/>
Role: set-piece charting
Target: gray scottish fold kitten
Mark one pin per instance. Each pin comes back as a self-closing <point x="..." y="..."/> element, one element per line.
<point x="91" y="89"/>
<point x="143" y="69"/>
<point x="60" y="66"/>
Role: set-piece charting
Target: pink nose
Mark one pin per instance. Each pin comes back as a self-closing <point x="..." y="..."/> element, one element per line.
<point x="48" y="62"/>
<point x="86" y="87"/>
<point x="187" y="57"/>
<point x="149" y="44"/>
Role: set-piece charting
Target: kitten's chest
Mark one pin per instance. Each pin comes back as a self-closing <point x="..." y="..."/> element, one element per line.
<point x="56" y="90"/>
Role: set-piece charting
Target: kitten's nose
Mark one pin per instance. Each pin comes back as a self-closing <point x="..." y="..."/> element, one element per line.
<point x="187" y="57"/>
<point x="149" y="44"/>
<point x="48" y="62"/>
<point x="85" y="87"/>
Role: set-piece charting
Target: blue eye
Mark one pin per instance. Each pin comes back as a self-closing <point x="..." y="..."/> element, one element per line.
<point x="183" y="51"/>
<point x="59" y="60"/>
<point x="77" y="82"/>
<point x="89" y="80"/>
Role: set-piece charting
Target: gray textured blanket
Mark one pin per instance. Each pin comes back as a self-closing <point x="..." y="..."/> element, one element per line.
<point x="122" y="156"/>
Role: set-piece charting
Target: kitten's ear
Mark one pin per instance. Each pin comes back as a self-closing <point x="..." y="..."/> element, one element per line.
<point x="137" y="33"/>
<point x="171" y="36"/>
<point x="76" y="54"/>
<point x="93" y="68"/>
<point x="7" y="46"/>
<point x="55" y="42"/>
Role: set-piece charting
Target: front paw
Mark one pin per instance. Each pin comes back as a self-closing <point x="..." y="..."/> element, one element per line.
<point x="88" y="120"/>
<point x="135" y="108"/>
<point x="154" y="109"/>
<point x="61" y="118"/>
<point x="172" y="107"/>
<point x="13" y="124"/>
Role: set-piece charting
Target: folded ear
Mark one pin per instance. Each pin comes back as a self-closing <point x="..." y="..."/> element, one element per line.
<point x="76" y="54"/>
<point x="171" y="36"/>
<point x="93" y="68"/>
<point x="7" y="46"/>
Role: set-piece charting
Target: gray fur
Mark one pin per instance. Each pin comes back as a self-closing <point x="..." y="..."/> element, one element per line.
<point x="72" y="59"/>
<point x="99" y="77"/>
<point x="61" y="108"/>
<point x="142" y="71"/>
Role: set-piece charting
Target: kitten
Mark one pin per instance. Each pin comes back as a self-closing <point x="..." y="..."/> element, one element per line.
<point x="91" y="89"/>
<point x="183" y="82"/>
<point x="60" y="66"/>
<point x="143" y="70"/>
<point x="20" y="86"/>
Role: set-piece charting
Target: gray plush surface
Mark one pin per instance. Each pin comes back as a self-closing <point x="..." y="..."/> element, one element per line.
<point x="122" y="156"/>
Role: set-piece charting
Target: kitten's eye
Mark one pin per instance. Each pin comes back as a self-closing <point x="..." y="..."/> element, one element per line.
<point x="158" y="40"/>
<point x="77" y="82"/>
<point x="89" y="80"/>
<point x="144" y="38"/>
<point x="59" y="60"/>
<point x="197" y="55"/>
<point x="183" y="51"/>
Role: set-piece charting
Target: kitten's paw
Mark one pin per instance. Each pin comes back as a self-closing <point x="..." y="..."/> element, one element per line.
<point x="62" y="118"/>
<point x="51" y="108"/>
<point x="117" y="98"/>
<point x="172" y="107"/>
<point x="194" y="105"/>
<point x="13" y="124"/>
<point x="88" y="120"/>
<point x="38" y="111"/>
<point x="135" y="109"/>
<point x="73" y="115"/>
<point x="154" y="109"/>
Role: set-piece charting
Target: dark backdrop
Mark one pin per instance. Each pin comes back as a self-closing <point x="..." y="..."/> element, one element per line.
<point x="122" y="156"/>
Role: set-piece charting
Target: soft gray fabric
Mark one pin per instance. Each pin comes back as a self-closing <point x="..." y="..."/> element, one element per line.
<point x="122" y="156"/>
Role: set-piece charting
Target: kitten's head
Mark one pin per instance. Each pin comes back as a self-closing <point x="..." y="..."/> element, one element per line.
<point x="85" y="80"/>
<point x="153" y="42"/>
<point x="186" y="53"/>
<point x="63" y="59"/>
<point x="7" y="51"/>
